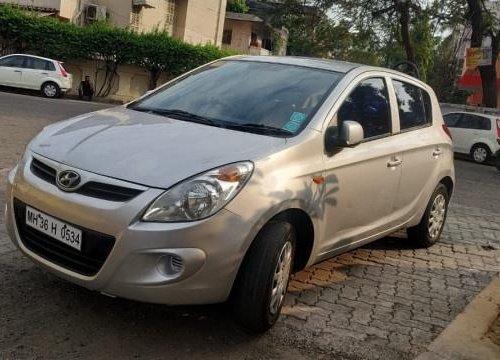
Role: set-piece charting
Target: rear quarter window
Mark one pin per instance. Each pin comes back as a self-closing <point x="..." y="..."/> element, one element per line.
<point x="414" y="105"/>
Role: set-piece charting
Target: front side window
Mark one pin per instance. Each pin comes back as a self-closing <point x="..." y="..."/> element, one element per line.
<point x="275" y="99"/>
<point x="413" y="105"/>
<point x="12" y="61"/>
<point x="368" y="104"/>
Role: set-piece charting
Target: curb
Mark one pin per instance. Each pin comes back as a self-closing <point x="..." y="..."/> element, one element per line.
<point x="464" y="338"/>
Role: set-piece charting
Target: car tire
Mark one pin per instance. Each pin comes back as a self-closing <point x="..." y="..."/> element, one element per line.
<point x="263" y="278"/>
<point x="480" y="153"/>
<point x="51" y="90"/>
<point x="429" y="230"/>
<point x="497" y="160"/>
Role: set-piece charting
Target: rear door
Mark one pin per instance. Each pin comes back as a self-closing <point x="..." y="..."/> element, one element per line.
<point x="11" y="68"/>
<point x="36" y="72"/>
<point x="474" y="129"/>
<point x="421" y="143"/>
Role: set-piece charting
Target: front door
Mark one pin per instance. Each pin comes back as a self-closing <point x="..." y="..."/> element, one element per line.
<point x="362" y="181"/>
<point x="11" y="68"/>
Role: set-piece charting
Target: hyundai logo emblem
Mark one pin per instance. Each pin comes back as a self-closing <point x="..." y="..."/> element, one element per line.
<point x="68" y="180"/>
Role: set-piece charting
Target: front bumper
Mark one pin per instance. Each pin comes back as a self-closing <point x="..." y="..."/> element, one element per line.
<point x="211" y="250"/>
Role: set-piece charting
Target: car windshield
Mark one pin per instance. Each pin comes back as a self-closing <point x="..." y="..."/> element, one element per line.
<point x="259" y="97"/>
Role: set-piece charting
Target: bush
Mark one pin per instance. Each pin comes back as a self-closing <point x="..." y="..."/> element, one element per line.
<point x="157" y="51"/>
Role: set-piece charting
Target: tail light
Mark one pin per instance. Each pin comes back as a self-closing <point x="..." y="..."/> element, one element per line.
<point x="447" y="131"/>
<point x="64" y="73"/>
<point x="498" y="129"/>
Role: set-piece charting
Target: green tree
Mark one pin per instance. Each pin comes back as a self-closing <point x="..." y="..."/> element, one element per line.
<point x="238" y="6"/>
<point x="483" y="19"/>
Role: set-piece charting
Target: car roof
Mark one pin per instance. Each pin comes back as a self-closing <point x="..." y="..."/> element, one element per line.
<point x="333" y="65"/>
<point x="489" y="116"/>
<point x="324" y="64"/>
<point x="34" y="56"/>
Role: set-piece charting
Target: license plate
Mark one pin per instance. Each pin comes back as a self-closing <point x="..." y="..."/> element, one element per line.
<point x="54" y="228"/>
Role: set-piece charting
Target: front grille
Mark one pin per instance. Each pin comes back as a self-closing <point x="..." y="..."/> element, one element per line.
<point x="108" y="192"/>
<point x="92" y="189"/>
<point x="43" y="171"/>
<point x="95" y="246"/>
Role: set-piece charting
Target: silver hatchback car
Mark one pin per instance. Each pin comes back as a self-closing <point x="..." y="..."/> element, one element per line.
<point x="220" y="184"/>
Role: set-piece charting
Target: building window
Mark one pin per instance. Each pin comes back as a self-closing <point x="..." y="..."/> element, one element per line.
<point x="227" y="37"/>
<point x="135" y="18"/>
<point x="169" y="15"/>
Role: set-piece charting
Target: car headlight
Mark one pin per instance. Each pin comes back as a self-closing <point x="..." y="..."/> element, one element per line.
<point x="201" y="196"/>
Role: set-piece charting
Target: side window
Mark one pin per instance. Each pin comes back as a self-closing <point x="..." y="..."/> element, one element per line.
<point x="452" y="120"/>
<point x="368" y="104"/>
<point x="50" y="66"/>
<point x="37" y="64"/>
<point x="475" y="122"/>
<point x="12" y="61"/>
<point x="414" y="108"/>
<point x="485" y="123"/>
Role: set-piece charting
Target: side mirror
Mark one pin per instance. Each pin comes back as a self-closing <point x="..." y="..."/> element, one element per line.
<point x="351" y="134"/>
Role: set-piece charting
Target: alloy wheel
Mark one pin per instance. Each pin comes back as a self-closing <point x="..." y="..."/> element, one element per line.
<point x="280" y="279"/>
<point x="50" y="90"/>
<point x="437" y="215"/>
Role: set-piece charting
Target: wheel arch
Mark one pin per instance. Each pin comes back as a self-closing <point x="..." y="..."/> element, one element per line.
<point x="448" y="182"/>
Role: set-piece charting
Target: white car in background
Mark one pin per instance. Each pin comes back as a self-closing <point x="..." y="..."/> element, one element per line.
<point x="475" y="134"/>
<point x="35" y="73"/>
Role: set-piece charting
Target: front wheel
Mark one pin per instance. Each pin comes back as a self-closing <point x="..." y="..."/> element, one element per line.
<point x="51" y="90"/>
<point x="429" y="230"/>
<point x="262" y="282"/>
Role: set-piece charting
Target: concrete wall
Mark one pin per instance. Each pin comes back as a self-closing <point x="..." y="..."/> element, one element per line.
<point x="131" y="82"/>
<point x="241" y="35"/>
<point x="200" y="22"/>
<point x="48" y="4"/>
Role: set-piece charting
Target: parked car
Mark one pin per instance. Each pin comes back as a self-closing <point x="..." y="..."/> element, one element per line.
<point x="36" y="73"/>
<point x="220" y="184"/>
<point x="477" y="135"/>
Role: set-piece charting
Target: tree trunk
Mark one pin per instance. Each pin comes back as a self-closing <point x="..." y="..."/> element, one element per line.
<point x="404" y="22"/>
<point x="488" y="73"/>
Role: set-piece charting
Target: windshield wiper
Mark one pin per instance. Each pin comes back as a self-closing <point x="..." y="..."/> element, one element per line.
<point x="179" y="115"/>
<point x="261" y="128"/>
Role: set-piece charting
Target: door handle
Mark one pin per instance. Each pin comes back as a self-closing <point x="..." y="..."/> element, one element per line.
<point x="17" y="71"/>
<point x="394" y="162"/>
<point x="437" y="152"/>
<point x="44" y="73"/>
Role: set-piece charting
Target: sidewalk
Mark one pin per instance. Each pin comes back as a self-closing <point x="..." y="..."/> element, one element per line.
<point x="473" y="334"/>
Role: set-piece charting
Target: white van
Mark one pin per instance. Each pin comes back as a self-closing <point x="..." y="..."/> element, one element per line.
<point x="474" y="134"/>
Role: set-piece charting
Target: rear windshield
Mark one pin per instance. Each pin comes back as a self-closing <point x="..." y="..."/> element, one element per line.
<point x="246" y="96"/>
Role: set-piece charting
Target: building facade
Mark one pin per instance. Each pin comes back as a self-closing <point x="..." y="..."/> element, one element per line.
<point x="193" y="21"/>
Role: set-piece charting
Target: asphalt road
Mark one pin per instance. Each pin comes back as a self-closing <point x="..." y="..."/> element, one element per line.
<point x="364" y="304"/>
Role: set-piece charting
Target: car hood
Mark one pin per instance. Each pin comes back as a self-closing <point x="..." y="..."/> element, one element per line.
<point x="147" y="149"/>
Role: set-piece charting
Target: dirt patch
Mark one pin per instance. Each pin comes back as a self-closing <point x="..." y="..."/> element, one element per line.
<point x="494" y="332"/>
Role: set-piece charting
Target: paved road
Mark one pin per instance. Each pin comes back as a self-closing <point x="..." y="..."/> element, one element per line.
<point x="383" y="301"/>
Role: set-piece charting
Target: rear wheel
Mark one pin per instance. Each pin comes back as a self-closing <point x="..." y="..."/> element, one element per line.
<point x="480" y="153"/>
<point x="429" y="230"/>
<point x="497" y="161"/>
<point x="263" y="278"/>
<point x="51" y="90"/>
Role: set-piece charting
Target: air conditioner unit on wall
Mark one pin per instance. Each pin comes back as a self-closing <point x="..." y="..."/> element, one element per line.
<point x="145" y="3"/>
<point x="95" y="12"/>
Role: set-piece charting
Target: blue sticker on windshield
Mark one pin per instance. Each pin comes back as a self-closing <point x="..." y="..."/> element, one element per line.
<point x="295" y="122"/>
